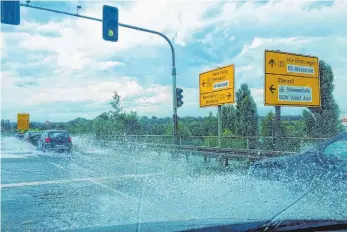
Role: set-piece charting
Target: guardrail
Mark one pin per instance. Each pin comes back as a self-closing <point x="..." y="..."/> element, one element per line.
<point x="286" y="144"/>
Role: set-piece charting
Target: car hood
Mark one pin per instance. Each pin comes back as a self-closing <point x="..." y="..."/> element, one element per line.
<point x="217" y="225"/>
<point x="168" y="225"/>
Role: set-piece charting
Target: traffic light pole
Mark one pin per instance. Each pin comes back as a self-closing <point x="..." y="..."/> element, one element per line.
<point x="173" y="72"/>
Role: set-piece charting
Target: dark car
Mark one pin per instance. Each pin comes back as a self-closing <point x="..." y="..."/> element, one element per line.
<point x="326" y="161"/>
<point x="20" y="135"/>
<point x="55" y="140"/>
<point x="32" y="136"/>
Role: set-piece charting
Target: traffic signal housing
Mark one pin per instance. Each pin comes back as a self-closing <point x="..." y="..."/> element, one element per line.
<point x="10" y="12"/>
<point x="110" y="23"/>
<point x="179" y="97"/>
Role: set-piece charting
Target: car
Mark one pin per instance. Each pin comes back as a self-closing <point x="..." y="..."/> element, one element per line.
<point x="326" y="161"/>
<point x="32" y="136"/>
<point x="55" y="140"/>
<point x="20" y="135"/>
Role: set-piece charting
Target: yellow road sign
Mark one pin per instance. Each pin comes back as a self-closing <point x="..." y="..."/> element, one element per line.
<point x="291" y="80"/>
<point x="217" y="86"/>
<point x="23" y="121"/>
<point x="216" y="98"/>
<point x="291" y="91"/>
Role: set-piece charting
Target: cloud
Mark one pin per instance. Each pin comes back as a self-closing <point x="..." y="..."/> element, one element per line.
<point x="50" y="60"/>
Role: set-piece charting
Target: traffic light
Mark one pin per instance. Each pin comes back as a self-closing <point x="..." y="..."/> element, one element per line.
<point x="179" y="97"/>
<point x="10" y="12"/>
<point x="110" y="23"/>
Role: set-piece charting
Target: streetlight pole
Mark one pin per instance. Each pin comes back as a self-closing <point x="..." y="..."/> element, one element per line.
<point x="173" y="70"/>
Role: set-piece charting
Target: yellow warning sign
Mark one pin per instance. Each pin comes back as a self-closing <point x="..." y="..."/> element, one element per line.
<point x="217" y="86"/>
<point x="291" y="80"/>
<point x="23" y="122"/>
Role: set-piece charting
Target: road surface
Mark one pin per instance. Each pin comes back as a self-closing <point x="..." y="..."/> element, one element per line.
<point x="98" y="187"/>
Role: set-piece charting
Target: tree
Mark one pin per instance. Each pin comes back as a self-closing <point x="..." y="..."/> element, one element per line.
<point x="246" y="114"/>
<point x="115" y="103"/>
<point x="229" y="118"/>
<point x="323" y="121"/>
<point x="210" y="125"/>
<point x="183" y="130"/>
<point x="130" y="122"/>
<point x="5" y="127"/>
<point x="268" y="130"/>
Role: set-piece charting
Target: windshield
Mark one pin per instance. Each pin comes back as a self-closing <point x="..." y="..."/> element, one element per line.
<point x="58" y="134"/>
<point x="172" y="112"/>
<point x="35" y="133"/>
<point x="338" y="149"/>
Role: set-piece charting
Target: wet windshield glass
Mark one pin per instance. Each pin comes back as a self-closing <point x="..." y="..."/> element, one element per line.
<point x="170" y="115"/>
<point x="337" y="149"/>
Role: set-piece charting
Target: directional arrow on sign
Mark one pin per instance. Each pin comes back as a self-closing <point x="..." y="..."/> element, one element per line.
<point x="203" y="83"/>
<point x="272" y="89"/>
<point x="229" y="95"/>
<point x="272" y="63"/>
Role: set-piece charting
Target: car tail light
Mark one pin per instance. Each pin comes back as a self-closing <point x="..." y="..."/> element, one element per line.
<point x="69" y="139"/>
<point x="47" y="140"/>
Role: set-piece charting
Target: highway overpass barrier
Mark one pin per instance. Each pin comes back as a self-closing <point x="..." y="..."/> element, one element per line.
<point x="234" y="147"/>
<point x="286" y="144"/>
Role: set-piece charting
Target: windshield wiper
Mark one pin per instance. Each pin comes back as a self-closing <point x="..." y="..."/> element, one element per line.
<point x="271" y="223"/>
<point x="305" y="225"/>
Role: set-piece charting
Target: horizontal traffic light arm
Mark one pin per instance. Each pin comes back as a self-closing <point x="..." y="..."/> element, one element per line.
<point x="120" y="24"/>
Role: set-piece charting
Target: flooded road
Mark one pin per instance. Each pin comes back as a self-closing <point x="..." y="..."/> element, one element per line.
<point x="96" y="186"/>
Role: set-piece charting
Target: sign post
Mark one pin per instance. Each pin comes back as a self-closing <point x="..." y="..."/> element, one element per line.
<point x="277" y="126"/>
<point x="220" y="130"/>
<point x="217" y="88"/>
<point x="290" y="80"/>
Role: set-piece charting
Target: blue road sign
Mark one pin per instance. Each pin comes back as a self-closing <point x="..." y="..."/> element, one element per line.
<point x="10" y="12"/>
<point x="110" y="23"/>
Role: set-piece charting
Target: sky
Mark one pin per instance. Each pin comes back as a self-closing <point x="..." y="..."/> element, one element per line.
<point x="58" y="67"/>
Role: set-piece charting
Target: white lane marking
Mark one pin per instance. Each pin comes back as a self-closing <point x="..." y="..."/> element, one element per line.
<point x="103" y="185"/>
<point x="134" y="199"/>
<point x="16" y="156"/>
<point x="113" y="190"/>
<point x="37" y="183"/>
<point x="57" y="165"/>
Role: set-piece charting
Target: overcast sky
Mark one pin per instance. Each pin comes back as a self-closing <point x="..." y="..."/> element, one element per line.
<point x="58" y="67"/>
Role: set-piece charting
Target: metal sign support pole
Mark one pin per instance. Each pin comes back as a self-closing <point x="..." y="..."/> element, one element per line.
<point x="220" y="132"/>
<point x="174" y="118"/>
<point x="277" y="127"/>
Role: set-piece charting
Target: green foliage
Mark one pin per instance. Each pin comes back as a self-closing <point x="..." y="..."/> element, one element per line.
<point x="247" y="115"/>
<point x="6" y="128"/>
<point x="210" y="125"/>
<point x="229" y="117"/>
<point x="183" y="130"/>
<point x="288" y="128"/>
<point x="227" y="132"/>
<point x="323" y="121"/>
<point x="115" y="103"/>
<point x="211" y="141"/>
